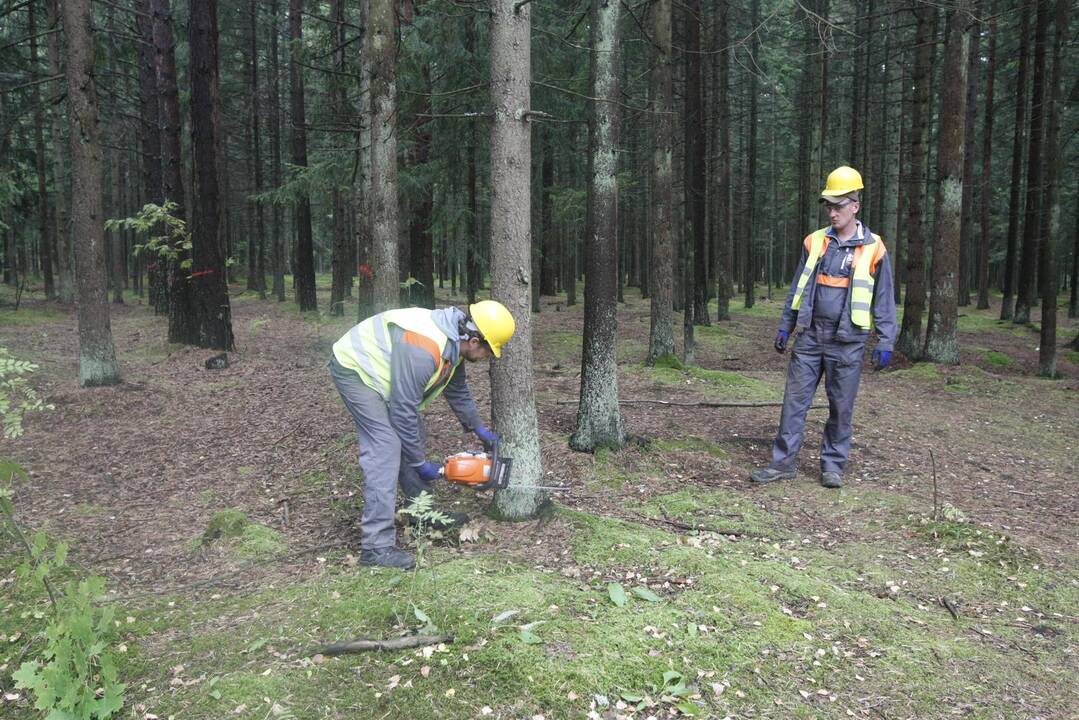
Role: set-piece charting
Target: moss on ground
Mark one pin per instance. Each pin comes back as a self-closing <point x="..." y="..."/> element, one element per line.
<point x="247" y="540"/>
<point x="714" y="384"/>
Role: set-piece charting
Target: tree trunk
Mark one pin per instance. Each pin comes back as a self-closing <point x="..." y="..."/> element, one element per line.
<point x="183" y="324"/>
<point x="1032" y="217"/>
<point x="967" y="224"/>
<point x="599" y="422"/>
<point x="661" y="332"/>
<point x="1007" y="305"/>
<point x="46" y="238"/>
<point x="512" y="395"/>
<point x="722" y="195"/>
<point x="383" y="203"/>
<point x="549" y="266"/>
<point x="695" y="131"/>
<point x="986" y="180"/>
<point x="341" y="261"/>
<point x="1073" y="297"/>
<point x="304" y="279"/>
<point x="1047" y="346"/>
<point x="97" y="355"/>
<point x="277" y="241"/>
<point x="211" y="292"/>
<point x="421" y="260"/>
<point x="941" y="341"/>
<point x="150" y="134"/>
<point x="749" y="274"/>
<point x="256" y="151"/>
<point x="65" y="252"/>
<point x="910" y="336"/>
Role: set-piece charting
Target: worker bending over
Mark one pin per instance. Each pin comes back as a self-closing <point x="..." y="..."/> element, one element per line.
<point x="387" y="369"/>
<point x="841" y="290"/>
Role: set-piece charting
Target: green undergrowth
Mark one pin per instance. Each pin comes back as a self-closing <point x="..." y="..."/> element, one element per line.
<point x="767" y="626"/>
<point x="31" y="314"/>
<point x="689" y="443"/>
<point x="240" y="536"/>
<point x="713" y="384"/>
<point x="994" y="357"/>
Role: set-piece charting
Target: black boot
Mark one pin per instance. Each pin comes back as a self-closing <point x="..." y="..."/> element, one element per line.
<point x="388" y="557"/>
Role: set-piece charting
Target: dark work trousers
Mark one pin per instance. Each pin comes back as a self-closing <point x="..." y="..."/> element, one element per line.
<point x="380" y="458"/>
<point x="816" y="352"/>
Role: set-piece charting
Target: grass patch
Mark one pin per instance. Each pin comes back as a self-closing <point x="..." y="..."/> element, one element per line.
<point x="999" y="359"/>
<point x="32" y="314"/>
<point x="1072" y="356"/>
<point x="715" y="384"/>
<point x="690" y="443"/>
<point x="244" y="538"/>
<point x="710" y="511"/>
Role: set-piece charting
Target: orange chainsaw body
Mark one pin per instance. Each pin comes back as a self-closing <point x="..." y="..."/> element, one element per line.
<point x="468" y="468"/>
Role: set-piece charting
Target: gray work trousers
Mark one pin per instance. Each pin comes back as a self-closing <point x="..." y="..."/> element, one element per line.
<point x="380" y="458"/>
<point x="815" y="353"/>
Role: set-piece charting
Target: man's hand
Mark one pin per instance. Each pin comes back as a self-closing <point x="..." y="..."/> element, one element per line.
<point x="428" y="471"/>
<point x="781" y="341"/>
<point x="881" y="358"/>
<point x="486" y="435"/>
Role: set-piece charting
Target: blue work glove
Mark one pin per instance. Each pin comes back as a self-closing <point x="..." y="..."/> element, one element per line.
<point x="781" y="341"/>
<point x="882" y="358"/>
<point x="488" y="436"/>
<point x="428" y="471"/>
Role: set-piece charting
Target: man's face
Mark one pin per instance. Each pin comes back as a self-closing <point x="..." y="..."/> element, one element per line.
<point x="475" y="349"/>
<point x="842" y="213"/>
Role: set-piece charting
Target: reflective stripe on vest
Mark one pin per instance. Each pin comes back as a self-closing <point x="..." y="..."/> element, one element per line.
<point x="861" y="296"/>
<point x="367" y="348"/>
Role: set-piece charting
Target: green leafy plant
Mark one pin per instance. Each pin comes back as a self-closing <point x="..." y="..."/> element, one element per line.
<point x="169" y="236"/>
<point x="75" y="676"/>
<point x="17" y="397"/>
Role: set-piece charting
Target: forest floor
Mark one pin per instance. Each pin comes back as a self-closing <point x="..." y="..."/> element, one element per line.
<point x="781" y="601"/>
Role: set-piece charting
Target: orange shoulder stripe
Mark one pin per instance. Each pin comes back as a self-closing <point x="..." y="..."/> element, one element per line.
<point x="425" y="343"/>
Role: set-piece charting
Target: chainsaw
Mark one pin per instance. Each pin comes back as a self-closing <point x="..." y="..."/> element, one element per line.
<point x="483" y="471"/>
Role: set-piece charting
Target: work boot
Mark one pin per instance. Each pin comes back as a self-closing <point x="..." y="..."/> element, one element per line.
<point x="767" y="475"/>
<point x="831" y="479"/>
<point x="454" y="520"/>
<point x="387" y="557"/>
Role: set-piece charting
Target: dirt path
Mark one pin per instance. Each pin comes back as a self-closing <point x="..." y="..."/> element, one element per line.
<point x="132" y="474"/>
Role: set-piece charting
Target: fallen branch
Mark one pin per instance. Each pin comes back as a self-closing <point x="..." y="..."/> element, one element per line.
<point x="401" y="643"/>
<point x="703" y="403"/>
<point x="950" y="607"/>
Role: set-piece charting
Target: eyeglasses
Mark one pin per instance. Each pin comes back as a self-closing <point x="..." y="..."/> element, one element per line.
<point x="838" y="205"/>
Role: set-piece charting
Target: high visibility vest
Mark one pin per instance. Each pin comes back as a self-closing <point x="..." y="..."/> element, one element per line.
<point x="367" y="347"/>
<point x="861" y="295"/>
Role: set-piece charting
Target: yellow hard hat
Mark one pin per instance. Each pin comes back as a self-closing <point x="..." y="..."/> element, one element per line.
<point x="841" y="181"/>
<point x="495" y="323"/>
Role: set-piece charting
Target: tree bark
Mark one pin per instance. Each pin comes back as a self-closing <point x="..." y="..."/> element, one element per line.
<point x="724" y="253"/>
<point x="150" y="135"/>
<point x="256" y="267"/>
<point x="183" y="324"/>
<point x="211" y="292"/>
<point x="97" y="355"/>
<point x="1047" y="346"/>
<point x="910" y="336"/>
<point x="304" y="279"/>
<point x="1007" y="305"/>
<point x="941" y="340"/>
<point x="599" y="422"/>
<point x="967" y="224"/>
<point x="661" y="332"/>
<point x="1032" y="216"/>
<point x="549" y="265"/>
<point x="986" y="180"/>
<point x="65" y="252"/>
<point x="512" y="394"/>
<point x="383" y="203"/>
<point x="695" y="127"/>
<point x="278" y="238"/>
<point x="46" y="238"/>
<point x="342" y="256"/>
<point x="421" y="260"/>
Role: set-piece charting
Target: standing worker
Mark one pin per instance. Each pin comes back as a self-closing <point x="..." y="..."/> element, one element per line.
<point x="841" y="290"/>
<point x="387" y="369"/>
